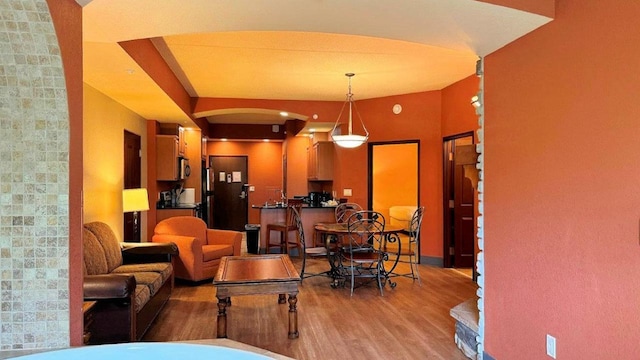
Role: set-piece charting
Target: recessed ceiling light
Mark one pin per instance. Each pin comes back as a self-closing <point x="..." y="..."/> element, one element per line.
<point x="223" y="139"/>
<point x="312" y="130"/>
<point x="130" y="71"/>
<point x="266" y="140"/>
<point x="284" y="113"/>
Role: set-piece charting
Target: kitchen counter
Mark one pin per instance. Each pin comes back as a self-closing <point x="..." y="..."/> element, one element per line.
<point x="310" y="215"/>
<point x="282" y="207"/>
<point x="180" y="210"/>
<point x="181" y="206"/>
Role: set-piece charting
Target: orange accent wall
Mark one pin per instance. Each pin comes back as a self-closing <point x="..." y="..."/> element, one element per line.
<point x="458" y="115"/>
<point x="67" y="19"/>
<point x="562" y="194"/>
<point x="265" y="168"/>
<point x="420" y="119"/>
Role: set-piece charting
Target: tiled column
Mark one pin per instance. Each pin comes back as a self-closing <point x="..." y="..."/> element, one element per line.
<point x="34" y="181"/>
<point x="480" y="224"/>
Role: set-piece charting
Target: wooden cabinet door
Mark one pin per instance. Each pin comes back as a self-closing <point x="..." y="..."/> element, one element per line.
<point x="182" y="142"/>
<point x="166" y="157"/>
<point x="312" y="165"/>
<point x="324" y="160"/>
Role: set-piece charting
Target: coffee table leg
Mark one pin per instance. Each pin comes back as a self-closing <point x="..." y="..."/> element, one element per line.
<point x="293" y="316"/>
<point x="222" y="317"/>
<point x="282" y="299"/>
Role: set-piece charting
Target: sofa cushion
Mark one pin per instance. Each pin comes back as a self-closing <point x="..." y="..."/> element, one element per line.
<point x="109" y="242"/>
<point x="164" y="269"/>
<point x="94" y="262"/>
<point x="152" y="280"/>
<point x="215" y="252"/>
<point x="143" y="295"/>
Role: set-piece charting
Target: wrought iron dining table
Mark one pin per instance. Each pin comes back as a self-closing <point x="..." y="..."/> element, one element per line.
<point x="334" y="244"/>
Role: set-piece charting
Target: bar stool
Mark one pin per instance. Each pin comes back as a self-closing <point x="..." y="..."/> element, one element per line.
<point x="285" y="228"/>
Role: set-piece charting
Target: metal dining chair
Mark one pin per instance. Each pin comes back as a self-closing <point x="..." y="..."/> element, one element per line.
<point x="362" y="254"/>
<point x="344" y="210"/>
<point x="308" y="252"/>
<point x="410" y="254"/>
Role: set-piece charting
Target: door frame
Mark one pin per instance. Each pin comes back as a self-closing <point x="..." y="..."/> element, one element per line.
<point x="132" y="179"/>
<point x="447" y="220"/>
<point x="370" y="161"/>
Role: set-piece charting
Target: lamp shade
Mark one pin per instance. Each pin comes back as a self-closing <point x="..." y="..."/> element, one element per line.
<point x="135" y="200"/>
<point x="349" y="141"/>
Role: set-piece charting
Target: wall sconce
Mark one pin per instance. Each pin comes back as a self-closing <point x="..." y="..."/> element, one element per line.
<point x="476" y="101"/>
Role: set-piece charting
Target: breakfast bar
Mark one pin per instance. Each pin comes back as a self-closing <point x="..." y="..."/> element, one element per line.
<point x="310" y="216"/>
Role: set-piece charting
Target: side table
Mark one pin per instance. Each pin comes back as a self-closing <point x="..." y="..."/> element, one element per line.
<point x="87" y="314"/>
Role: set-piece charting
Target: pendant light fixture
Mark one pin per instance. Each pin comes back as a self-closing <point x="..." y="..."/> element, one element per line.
<point x="349" y="140"/>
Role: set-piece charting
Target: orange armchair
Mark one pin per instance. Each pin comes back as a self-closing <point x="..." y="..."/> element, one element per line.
<point x="200" y="249"/>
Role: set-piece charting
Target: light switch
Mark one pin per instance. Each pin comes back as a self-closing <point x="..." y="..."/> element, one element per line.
<point x="252" y="188"/>
<point x="347" y="192"/>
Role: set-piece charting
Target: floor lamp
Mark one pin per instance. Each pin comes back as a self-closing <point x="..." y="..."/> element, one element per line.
<point x="134" y="201"/>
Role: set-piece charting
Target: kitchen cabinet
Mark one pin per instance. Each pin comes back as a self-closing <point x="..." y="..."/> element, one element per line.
<point x="176" y="130"/>
<point x="320" y="161"/>
<point x="167" y="154"/>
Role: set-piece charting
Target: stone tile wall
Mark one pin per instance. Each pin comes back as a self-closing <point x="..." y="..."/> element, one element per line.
<point x="34" y="185"/>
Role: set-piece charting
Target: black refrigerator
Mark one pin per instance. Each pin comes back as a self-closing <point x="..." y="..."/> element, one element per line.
<point x="207" y="195"/>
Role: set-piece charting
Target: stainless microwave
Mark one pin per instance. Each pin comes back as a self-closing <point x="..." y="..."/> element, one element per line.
<point x="184" y="170"/>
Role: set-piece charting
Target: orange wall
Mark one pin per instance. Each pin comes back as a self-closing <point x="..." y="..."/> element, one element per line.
<point x="458" y="115"/>
<point x="562" y="199"/>
<point x="67" y="19"/>
<point x="419" y="119"/>
<point x="297" y="165"/>
<point x="426" y="116"/>
<point x="265" y="168"/>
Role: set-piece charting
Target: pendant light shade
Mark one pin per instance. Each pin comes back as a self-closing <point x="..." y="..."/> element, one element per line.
<point x="349" y="140"/>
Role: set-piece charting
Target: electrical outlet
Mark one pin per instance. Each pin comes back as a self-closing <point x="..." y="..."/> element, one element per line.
<point x="551" y="346"/>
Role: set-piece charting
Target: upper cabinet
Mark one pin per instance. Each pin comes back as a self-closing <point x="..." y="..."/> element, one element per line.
<point x="167" y="158"/>
<point x="179" y="132"/>
<point x="320" y="161"/>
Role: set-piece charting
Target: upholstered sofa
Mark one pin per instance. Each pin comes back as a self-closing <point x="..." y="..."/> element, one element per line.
<point x="201" y="249"/>
<point x="130" y="283"/>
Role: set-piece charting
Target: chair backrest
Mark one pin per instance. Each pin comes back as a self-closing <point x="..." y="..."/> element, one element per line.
<point x="344" y="210"/>
<point x="366" y="231"/>
<point x="182" y="225"/>
<point x="297" y="222"/>
<point x="293" y="205"/>
<point x="416" y="224"/>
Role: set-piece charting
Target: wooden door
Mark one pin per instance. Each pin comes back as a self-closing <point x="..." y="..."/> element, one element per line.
<point x="132" y="180"/>
<point x="459" y="219"/>
<point x="229" y="202"/>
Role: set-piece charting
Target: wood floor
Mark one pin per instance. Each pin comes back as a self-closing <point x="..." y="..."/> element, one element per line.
<point x="408" y="322"/>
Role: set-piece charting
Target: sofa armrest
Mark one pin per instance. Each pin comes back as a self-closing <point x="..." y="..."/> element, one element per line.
<point x="109" y="286"/>
<point x="140" y="253"/>
<point x="228" y="237"/>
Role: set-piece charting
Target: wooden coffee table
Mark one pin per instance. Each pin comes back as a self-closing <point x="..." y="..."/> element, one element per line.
<point x="256" y="275"/>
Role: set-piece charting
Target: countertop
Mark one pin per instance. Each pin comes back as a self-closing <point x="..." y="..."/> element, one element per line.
<point x="284" y="207"/>
<point x="182" y="206"/>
